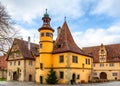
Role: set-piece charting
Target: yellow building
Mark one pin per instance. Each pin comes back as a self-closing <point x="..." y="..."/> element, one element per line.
<point x="63" y="55"/>
<point x="106" y="61"/>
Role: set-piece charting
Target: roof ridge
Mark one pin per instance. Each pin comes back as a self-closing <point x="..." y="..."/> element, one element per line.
<point x="112" y="52"/>
<point x="100" y="45"/>
<point x="65" y="24"/>
<point x="22" y="46"/>
<point x="26" y="41"/>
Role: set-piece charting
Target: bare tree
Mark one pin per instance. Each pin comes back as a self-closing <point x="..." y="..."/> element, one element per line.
<point x="7" y="32"/>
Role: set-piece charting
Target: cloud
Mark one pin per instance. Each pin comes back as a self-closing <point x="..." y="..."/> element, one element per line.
<point x="107" y="7"/>
<point x="96" y="36"/>
<point x="24" y="33"/>
<point x="27" y="10"/>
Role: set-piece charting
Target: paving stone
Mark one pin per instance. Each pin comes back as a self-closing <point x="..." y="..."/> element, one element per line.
<point x="16" y="83"/>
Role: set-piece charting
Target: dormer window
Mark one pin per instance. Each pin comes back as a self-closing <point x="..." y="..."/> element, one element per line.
<point x="59" y="46"/>
<point x="102" y="58"/>
<point x="17" y="54"/>
<point x="102" y="51"/>
<point x="47" y="34"/>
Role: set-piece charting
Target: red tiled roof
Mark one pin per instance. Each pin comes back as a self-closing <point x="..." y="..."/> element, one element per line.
<point x="3" y="62"/>
<point x="23" y="46"/>
<point x="65" y="42"/>
<point x="113" y="52"/>
<point x="46" y="27"/>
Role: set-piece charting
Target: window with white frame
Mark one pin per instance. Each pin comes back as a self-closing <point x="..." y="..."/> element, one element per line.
<point x="114" y="74"/>
<point x="111" y="64"/>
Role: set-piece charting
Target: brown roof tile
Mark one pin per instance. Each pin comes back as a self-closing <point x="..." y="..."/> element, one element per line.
<point x="23" y="46"/>
<point x="65" y="42"/>
<point x="113" y="52"/>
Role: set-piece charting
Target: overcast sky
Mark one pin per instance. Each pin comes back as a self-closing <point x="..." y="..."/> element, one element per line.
<point x="91" y="22"/>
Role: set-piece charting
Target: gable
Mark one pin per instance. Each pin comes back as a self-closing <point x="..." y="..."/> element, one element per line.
<point x="19" y="50"/>
<point x="66" y="43"/>
<point x="112" y="52"/>
<point x="15" y="52"/>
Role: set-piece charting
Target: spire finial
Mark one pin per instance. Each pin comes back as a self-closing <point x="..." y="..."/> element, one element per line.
<point x="46" y="10"/>
<point x="46" y="14"/>
<point x="101" y="44"/>
<point x="65" y="18"/>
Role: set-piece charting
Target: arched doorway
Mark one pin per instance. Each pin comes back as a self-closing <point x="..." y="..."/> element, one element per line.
<point x="30" y="77"/>
<point x="41" y="79"/>
<point x="14" y="75"/>
<point x="74" y="78"/>
<point x="103" y="75"/>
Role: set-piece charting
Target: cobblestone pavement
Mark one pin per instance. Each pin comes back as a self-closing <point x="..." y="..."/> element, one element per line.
<point x="15" y="83"/>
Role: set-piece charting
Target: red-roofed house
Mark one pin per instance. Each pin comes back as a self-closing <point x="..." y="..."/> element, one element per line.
<point x="106" y="61"/>
<point x="3" y="67"/>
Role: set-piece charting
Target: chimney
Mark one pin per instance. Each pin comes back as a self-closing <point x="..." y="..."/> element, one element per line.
<point x="29" y="42"/>
<point x="21" y="38"/>
<point x="58" y="30"/>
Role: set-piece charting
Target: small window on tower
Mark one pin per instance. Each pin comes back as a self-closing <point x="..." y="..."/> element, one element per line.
<point x="51" y="35"/>
<point x="41" y="45"/>
<point x="42" y="34"/>
<point x="47" y="34"/>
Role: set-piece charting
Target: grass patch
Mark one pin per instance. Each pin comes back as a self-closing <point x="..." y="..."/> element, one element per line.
<point x="3" y="79"/>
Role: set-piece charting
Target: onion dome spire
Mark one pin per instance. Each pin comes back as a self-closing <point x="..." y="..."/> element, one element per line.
<point x="46" y="22"/>
<point x="46" y="14"/>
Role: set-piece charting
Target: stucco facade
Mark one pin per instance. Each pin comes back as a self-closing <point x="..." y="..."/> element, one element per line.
<point x="109" y="71"/>
<point x="21" y="64"/>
